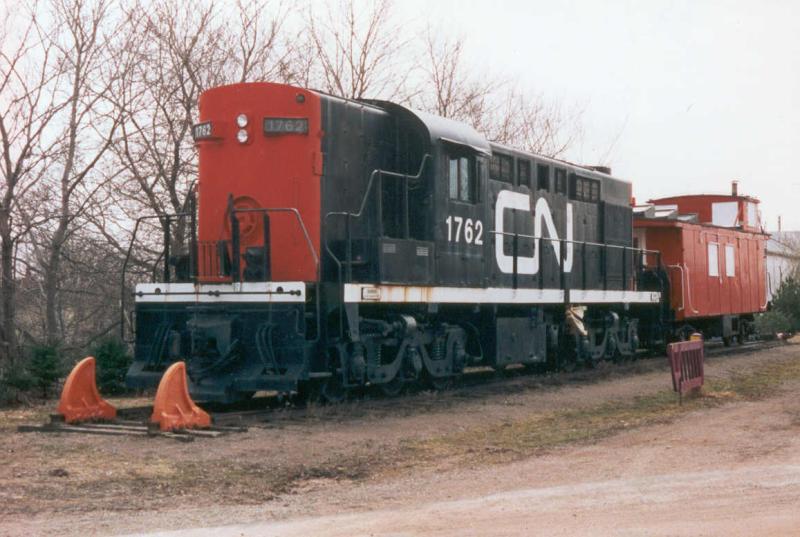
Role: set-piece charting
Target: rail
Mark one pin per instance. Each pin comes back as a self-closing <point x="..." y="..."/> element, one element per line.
<point x="639" y="255"/>
<point x="348" y="215"/>
<point x="265" y="210"/>
<point x="236" y="269"/>
<point x="166" y="220"/>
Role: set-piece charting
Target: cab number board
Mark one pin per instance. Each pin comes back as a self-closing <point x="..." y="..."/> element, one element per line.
<point x="201" y="131"/>
<point x="285" y="125"/>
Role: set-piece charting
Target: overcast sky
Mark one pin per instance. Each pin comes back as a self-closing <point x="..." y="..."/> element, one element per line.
<point x="687" y="95"/>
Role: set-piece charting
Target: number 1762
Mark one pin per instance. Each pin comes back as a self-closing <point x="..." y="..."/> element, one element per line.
<point x="466" y="229"/>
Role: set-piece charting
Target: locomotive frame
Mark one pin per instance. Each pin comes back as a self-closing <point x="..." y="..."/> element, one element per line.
<point x="365" y="243"/>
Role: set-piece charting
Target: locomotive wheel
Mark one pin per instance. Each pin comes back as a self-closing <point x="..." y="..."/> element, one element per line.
<point x="441" y="383"/>
<point x="333" y="390"/>
<point x="308" y="392"/>
<point x="393" y="387"/>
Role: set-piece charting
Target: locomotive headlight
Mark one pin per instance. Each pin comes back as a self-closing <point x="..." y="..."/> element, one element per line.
<point x="241" y="120"/>
<point x="241" y="136"/>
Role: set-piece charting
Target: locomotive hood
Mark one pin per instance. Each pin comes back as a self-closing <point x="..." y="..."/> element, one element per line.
<point x="440" y="129"/>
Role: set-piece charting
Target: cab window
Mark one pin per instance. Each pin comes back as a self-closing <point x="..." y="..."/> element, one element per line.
<point x="462" y="178"/>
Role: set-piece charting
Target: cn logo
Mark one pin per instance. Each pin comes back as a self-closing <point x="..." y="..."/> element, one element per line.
<point x="542" y="218"/>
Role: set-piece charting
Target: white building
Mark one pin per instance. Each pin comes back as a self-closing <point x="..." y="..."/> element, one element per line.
<point x="783" y="258"/>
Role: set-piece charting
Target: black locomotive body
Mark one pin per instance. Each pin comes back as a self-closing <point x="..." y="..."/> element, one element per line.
<point x="432" y="249"/>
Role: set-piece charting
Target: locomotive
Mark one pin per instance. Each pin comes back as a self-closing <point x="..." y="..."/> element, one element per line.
<point x="336" y="244"/>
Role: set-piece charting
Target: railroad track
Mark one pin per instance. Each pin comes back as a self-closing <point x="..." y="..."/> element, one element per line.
<point x="276" y="411"/>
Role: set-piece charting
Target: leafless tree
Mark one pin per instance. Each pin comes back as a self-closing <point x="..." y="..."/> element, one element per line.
<point x="182" y="49"/>
<point x="354" y="49"/>
<point x="528" y="121"/>
<point x="28" y="106"/>
<point x="83" y="133"/>
<point x="450" y="87"/>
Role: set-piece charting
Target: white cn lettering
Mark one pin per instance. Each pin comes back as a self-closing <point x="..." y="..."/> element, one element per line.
<point x="516" y="201"/>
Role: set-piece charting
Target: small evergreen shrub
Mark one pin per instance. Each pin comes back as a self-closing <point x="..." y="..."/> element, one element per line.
<point x="113" y="361"/>
<point x="787" y="302"/>
<point x="773" y="322"/>
<point x="44" y="367"/>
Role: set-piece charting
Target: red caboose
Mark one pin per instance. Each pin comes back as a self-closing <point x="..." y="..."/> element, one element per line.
<point x="713" y="249"/>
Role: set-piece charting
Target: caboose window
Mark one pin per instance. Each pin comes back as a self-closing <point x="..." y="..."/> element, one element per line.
<point x="713" y="259"/>
<point x="730" y="261"/>
<point x="543" y="177"/>
<point x="462" y="182"/>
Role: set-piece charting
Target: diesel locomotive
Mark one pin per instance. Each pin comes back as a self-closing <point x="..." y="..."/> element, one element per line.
<point x="336" y="244"/>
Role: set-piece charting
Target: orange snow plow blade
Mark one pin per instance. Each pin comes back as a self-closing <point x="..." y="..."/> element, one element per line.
<point x="80" y="400"/>
<point x="173" y="408"/>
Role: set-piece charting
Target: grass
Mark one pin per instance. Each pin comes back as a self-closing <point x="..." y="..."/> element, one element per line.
<point x="97" y="478"/>
<point x="543" y="431"/>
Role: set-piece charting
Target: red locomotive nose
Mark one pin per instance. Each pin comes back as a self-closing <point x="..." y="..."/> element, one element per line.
<point x="260" y="145"/>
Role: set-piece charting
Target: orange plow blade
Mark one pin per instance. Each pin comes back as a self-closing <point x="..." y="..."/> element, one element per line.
<point x="173" y="408"/>
<point x="80" y="400"/>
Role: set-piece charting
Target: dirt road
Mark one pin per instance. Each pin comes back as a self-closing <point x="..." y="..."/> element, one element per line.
<point x="562" y="455"/>
<point x="732" y="471"/>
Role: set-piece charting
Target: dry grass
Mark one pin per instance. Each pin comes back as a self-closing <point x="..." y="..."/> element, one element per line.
<point x="57" y="475"/>
<point x="542" y="431"/>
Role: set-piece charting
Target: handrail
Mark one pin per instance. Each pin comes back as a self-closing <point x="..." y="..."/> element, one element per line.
<point x="309" y="243"/>
<point x="358" y="214"/>
<point x="583" y="244"/>
<point x="683" y="285"/>
<point x="139" y="220"/>
<point x="588" y="243"/>
<point x="299" y="219"/>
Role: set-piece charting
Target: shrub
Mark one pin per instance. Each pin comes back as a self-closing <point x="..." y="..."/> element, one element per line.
<point x="113" y="361"/>
<point x="787" y="302"/>
<point x="773" y="322"/>
<point x="44" y="367"/>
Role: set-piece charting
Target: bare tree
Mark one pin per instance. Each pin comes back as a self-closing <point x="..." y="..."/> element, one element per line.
<point x="28" y="106"/>
<point x="450" y="87"/>
<point x="528" y="121"/>
<point x="81" y="45"/>
<point x="354" y="50"/>
<point x="181" y="50"/>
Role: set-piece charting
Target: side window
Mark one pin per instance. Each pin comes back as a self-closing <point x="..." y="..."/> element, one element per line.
<point x="494" y="167"/>
<point x="713" y="259"/>
<point x="595" y="191"/>
<point x="561" y="181"/>
<point x="730" y="261"/>
<point x="583" y="188"/>
<point x="524" y="173"/>
<point x="502" y="168"/>
<point x="462" y="178"/>
<point x="543" y="177"/>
